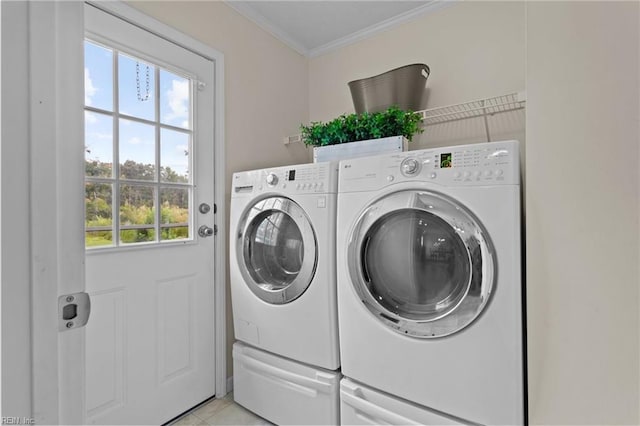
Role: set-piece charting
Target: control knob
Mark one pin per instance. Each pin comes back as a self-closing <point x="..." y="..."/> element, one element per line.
<point x="410" y="167"/>
<point x="272" y="179"/>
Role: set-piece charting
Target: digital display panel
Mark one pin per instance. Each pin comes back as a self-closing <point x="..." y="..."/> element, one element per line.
<point x="445" y="160"/>
<point x="292" y="175"/>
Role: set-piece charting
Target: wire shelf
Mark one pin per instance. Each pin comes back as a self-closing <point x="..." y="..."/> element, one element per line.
<point x="479" y="108"/>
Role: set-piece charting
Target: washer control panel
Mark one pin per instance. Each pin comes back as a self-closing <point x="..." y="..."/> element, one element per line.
<point x="298" y="179"/>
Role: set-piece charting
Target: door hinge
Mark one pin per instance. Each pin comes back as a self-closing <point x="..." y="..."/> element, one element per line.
<point x="73" y="311"/>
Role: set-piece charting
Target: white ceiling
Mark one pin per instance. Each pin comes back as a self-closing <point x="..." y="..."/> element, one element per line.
<point x="316" y="27"/>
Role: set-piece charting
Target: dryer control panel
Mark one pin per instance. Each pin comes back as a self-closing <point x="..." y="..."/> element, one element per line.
<point x="317" y="178"/>
<point x="492" y="163"/>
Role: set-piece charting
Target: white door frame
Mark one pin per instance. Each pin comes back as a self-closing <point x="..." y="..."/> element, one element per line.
<point x="56" y="37"/>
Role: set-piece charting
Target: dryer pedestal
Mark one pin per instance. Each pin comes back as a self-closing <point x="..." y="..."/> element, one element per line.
<point x="362" y="405"/>
<point x="284" y="391"/>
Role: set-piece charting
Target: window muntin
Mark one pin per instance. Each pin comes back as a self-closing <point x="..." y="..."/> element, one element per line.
<point x="138" y="163"/>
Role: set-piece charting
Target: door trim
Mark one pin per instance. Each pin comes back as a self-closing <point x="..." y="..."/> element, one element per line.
<point x="56" y="228"/>
<point x="55" y="31"/>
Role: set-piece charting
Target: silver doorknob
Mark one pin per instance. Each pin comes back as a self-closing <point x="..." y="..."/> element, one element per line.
<point x="206" y="231"/>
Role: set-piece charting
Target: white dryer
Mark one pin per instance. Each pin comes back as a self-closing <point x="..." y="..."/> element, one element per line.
<point x="430" y="292"/>
<point x="282" y="261"/>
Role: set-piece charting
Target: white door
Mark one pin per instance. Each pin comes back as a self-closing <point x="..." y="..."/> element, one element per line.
<point x="149" y="108"/>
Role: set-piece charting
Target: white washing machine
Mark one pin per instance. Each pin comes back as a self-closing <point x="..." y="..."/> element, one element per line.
<point x="430" y="293"/>
<point x="283" y="291"/>
<point x="282" y="261"/>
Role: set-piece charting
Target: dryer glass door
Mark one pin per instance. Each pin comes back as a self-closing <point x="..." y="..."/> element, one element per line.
<point x="421" y="263"/>
<point x="277" y="251"/>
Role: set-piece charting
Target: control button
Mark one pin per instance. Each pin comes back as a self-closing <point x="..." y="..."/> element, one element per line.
<point x="284" y="185"/>
<point x="272" y="179"/>
<point x="305" y="186"/>
<point x="410" y="167"/>
<point x="467" y="174"/>
<point x="321" y="184"/>
<point x="298" y="186"/>
<point x="456" y="175"/>
<point x="390" y="178"/>
<point x="315" y="185"/>
<point x="487" y="173"/>
<point x="499" y="172"/>
<point x="433" y="175"/>
<point x="476" y="173"/>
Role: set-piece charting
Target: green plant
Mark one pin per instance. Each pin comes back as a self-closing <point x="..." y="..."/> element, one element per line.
<point x="358" y="127"/>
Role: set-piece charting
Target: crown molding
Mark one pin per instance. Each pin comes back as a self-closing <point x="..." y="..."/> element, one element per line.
<point x="258" y="19"/>
<point x="385" y="25"/>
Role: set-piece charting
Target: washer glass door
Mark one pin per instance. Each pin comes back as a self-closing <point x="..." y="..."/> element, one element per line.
<point x="277" y="250"/>
<point x="421" y="263"/>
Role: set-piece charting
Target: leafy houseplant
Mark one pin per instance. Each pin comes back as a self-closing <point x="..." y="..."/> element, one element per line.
<point x="359" y="127"/>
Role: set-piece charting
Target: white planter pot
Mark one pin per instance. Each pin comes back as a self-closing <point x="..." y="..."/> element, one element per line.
<point x="359" y="149"/>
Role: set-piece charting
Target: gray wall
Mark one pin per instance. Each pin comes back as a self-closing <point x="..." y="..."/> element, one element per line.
<point x="582" y="212"/>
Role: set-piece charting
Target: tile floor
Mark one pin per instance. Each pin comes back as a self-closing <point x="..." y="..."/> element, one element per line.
<point x="222" y="411"/>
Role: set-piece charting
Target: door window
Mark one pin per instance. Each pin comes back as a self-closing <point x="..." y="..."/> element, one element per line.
<point x="138" y="138"/>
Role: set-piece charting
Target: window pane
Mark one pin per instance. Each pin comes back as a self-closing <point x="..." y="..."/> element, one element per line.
<point x="174" y="213"/>
<point x="136" y="83"/>
<point x="98" y="239"/>
<point x="137" y="151"/>
<point x="98" y="144"/>
<point x="98" y="201"/>
<point x="174" y="156"/>
<point x="175" y="100"/>
<point x="136" y="211"/>
<point x="98" y="76"/>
